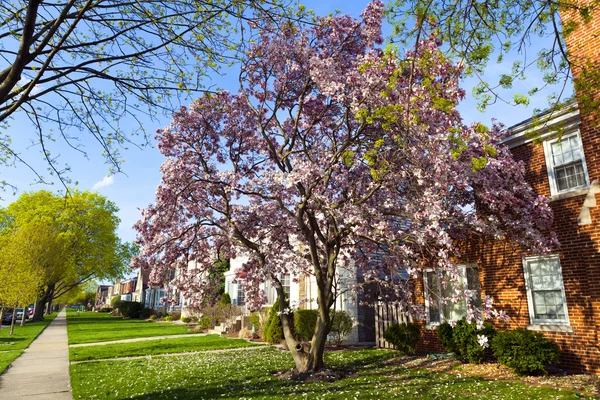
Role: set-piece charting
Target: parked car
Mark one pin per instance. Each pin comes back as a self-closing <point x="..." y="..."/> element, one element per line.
<point x="7" y="316"/>
<point x="22" y="312"/>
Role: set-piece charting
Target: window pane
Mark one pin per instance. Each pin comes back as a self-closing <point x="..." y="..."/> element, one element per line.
<point x="433" y="287"/>
<point x="570" y="176"/>
<point x="546" y="285"/>
<point x="240" y="296"/>
<point x="474" y="284"/>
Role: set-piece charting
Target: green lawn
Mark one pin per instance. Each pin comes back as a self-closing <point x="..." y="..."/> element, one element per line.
<point x="12" y="347"/>
<point x="92" y="327"/>
<point x="249" y="374"/>
<point x="152" y="347"/>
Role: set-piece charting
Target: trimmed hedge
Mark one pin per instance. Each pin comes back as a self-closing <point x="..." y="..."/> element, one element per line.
<point x="526" y="352"/>
<point x="304" y="324"/>
<point x="404" y="336"/>
<point x="130" y="309"/>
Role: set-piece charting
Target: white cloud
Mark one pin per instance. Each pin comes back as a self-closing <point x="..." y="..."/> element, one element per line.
<point x="106" y="181"/>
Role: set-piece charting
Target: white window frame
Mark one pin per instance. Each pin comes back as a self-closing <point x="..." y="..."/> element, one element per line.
<point x="550" y="164"/>
<point x="463" y="268"/>
<point x="240" y="289"/>
<point x="531" y="306"/>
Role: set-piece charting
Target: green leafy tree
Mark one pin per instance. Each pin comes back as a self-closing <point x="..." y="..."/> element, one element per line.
<point x="484" y="31"/>
<point x="82" y="229"/>
<point x="20" y="272"/>
<point x="79" y="67"/>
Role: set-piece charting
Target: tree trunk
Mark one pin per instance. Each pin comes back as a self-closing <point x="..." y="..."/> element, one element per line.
<point x="25" y="310"/>
<point x="12" y="322"/>
<point x="50" y="298"/>
<point x="49" y="306"/>
<point x="40" y="304"/>
<point x="307" y="356"/>
<point x="1" y="315"/>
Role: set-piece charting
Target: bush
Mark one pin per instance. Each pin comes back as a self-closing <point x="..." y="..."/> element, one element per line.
<point x="259" y="318"/>
<point x="168" y="318"/>
<point x="186" y="320"/>
<point x="147" y="313"/>
<point x="176" y="316"/>
<point x="114" y="301"/>
<point x="464" y="340"/>
<point x="205" y="322"/>
<point x="445" y="334"/>
<point x="153" y="317"/>
<point x="403" y="336"/>
<point x="245" y="333"/>
<point x="225" y="298"/>
<point x="304" y="324"/>
<point x="273" y="332"/>
<point x="130" y="309"/>
<point x="526" y="352"/>
<point x="341" y="326"/>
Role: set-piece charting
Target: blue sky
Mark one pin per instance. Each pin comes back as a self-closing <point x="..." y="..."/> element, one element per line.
<point x="135" y="188"/>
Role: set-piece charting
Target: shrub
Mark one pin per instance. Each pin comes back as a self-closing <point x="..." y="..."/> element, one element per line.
<point x="146" y="313"/>
<point x="524" y="351"/>
<point x="465" y="343"/>
<point x="273" y="332"/>
<point x="176" y="315"/>
<point x="245" y="333"/>
<point x="259" y="318"/>
<point x="255" y="320"/>
<point x="341" y="326"/>
<point x="153" y="317"/>
<point x="445" y="334"/>
<point x="225" y="298"/>
<point x="403" y="336"/>
<point x="205" y="322"/>
<point x="186" y="320"/>
<point x="130" y="309"/>
<point x="168" y="318"/>
<point x="304" y="323"/>
<point x="114" y="300"/>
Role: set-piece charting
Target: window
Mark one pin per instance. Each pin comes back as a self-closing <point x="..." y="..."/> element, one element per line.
<point x="439" y="311"/>
<point x="545" y="290"/>
<point x="240" y="293"/>
<point x="566" y="164"/>
<point x="285" y="282"/>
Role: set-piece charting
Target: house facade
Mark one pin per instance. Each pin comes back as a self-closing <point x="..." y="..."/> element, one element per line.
<point x="557" y="294"/>
<point x="302" y="293"/>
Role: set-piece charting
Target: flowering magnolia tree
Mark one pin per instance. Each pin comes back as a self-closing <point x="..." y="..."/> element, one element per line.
<point x="333" y="155"/>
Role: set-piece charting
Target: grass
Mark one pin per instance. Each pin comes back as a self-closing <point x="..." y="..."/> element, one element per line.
<point x="153" y="347"/>
<point x="250" y="374"/>
<point x="11" y="347"/>
<point x="92" y="327"/>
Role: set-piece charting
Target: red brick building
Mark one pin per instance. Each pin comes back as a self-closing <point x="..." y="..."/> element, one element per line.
<point x="557" y="294"/>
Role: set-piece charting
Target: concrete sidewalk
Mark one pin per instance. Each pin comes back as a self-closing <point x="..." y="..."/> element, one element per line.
<point x="42" y="371"/>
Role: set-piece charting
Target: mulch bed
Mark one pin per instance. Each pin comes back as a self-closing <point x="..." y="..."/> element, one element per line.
<point x="557" y="378"/>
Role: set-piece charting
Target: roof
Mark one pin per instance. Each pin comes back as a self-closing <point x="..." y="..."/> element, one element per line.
<point x="543" y="125"/>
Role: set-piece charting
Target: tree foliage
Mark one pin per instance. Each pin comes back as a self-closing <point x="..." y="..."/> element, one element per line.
<point x="479" y="32"/>
<point x="334" y="155"/>
<point x="75" y="239"/>
<point x="82" y="67"/>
